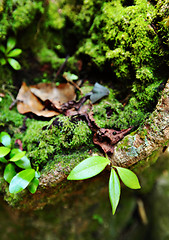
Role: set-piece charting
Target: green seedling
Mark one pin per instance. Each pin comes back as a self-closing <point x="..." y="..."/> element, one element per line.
<point x="16" y="159"/>
<point x="92" y="166"/>
<point x="8" y="54"/>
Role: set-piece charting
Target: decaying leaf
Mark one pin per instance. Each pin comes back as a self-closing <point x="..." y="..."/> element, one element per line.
<point x="44" y="99"/>
<point x="47" y="100"/>
<point x="107" y="138"/>
<point x="56" y="94"/>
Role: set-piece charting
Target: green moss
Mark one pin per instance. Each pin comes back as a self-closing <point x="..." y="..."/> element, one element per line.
<point x="66" y="137"/>
<point x="110" y="113"/>
<point x="11" y="119"/>
<point x="67" y="160"/>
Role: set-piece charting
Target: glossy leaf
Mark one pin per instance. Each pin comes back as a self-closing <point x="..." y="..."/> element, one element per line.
<point x="88" y="168"/>
<point x="21" y="180"/>
<point x="24" y="163"/>
<point x="15" y="64"/>
<point x="128" y="177"/>
<point x="14" y="151"/>
<point x="17" y="157"/>
<point x="2" y="61"/>
<point x="2" y="48"/>
<point x="114" y="190"/>
<point x="4" y="151"/>
<point x="9" y="172"/>
<point x="10" y="43"/>
<point x="2" y="159"/>
<point x="33" y="185"/>
<point x="14" y="53"/>
<point x="5" y="139"/>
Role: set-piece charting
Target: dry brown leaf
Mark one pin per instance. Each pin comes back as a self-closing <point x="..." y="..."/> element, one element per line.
<point x="27" y="101"/>
<point x="44" y="99"/>
<point x="108" y="138"/>
<point x="56" y="94"/>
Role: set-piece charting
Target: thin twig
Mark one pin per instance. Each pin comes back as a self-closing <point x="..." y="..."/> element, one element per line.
<point x="61" y="67"/>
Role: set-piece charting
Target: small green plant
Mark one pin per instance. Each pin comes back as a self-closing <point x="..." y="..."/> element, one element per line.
<point x="94" y="165"/>
<point x="15" y="159"/>
<point x="8" y="54"/>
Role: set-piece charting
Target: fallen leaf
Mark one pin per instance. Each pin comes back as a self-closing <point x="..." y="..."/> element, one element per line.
<point x="47" y="91"/>
<point x="107" y="138"/>
<point x="44" y="99"/>
<point x="27" y="101"/>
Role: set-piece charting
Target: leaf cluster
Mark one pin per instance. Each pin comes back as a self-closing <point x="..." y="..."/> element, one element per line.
<point x="94" y="165"/>
<point x="14" y="160"/>
<point x="8" y="53"/>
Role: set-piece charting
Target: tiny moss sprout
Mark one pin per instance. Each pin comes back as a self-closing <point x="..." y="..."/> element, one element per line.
<point x="92" y="166"/>
<point x="14" y="160"/>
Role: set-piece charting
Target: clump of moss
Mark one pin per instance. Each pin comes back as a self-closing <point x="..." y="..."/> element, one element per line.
<point x="10" y="120"/>
<point x="110" y="113"/>
<point x="67" y="136"/>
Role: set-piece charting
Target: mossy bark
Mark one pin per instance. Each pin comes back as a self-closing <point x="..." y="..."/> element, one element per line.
<point x="129" y="39"/>
<point x="139" y="150"/>
<point x="151" y="137"/>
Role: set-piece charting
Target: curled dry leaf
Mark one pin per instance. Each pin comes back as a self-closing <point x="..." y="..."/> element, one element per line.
<point x="56" y="94"/>
<point x="107" y="138"/>
<point x="44" y="99"/>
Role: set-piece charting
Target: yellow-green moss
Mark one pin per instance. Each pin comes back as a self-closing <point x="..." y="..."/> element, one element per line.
<point x="66" y="137"/>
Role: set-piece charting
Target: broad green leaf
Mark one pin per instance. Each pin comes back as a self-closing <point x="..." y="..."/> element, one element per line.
<point x="17" y="157"/>
<point x="88" y="168"/>
<point x="4" y="151"/>
<point x="128" y="177"/>
<point x="114" y="190"/>
<point x="14" y="151"/>
<point x="33" y="185"/>
<point x="21" y="180"/>
<point x="10" y="43"/>
<point x="24" y="162"/>
<point x="9" y="172"/>
<point x="14" y="53"/>
<point x="2" y="61"/>
<point x="5" y="139"/>
<point x="15" y="64"/>
<point x="2" y="159"/>
<point x="2" y="48"/>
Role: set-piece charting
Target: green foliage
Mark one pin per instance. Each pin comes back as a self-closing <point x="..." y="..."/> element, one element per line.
<point x="88" y="168"/>
<point x="4" y="151"/>
<point x="114" y="190"/>
<point x="21" y="180"/>
<point x="8" y="53"/>
<point x="15" y="159"/>
<point x="5" y="139"/>
<point x="94" y="165"/>
<point x="9" y="172"/>
<point x="128" y="178"/>
<point x="33" y="185"/>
